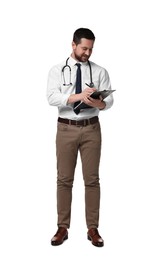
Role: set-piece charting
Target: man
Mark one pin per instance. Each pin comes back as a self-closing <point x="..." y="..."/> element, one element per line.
<point x="78" y="130"/>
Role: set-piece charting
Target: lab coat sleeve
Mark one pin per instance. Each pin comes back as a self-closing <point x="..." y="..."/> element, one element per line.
<point x="106" y="84"/>
<point x="54" y="94"/>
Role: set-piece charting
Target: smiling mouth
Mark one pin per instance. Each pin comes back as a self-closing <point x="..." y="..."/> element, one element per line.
<point x="86" y="57"/>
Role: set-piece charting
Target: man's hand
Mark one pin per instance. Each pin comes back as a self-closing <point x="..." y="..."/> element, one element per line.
<point x="81" y="96"/>
<point x="86" y="93"/>
<point x="99" y="103"/>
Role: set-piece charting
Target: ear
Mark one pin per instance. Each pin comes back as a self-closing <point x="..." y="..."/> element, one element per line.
<point x="73" y="45"/>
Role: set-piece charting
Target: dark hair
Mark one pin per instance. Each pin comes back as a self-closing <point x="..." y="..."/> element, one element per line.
<point x="83" y="33"/>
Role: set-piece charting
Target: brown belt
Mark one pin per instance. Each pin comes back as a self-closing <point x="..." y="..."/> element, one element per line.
<point x="84" y="122"/>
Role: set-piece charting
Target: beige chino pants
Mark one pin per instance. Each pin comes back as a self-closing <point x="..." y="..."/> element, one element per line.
<point x="69" y="140"/>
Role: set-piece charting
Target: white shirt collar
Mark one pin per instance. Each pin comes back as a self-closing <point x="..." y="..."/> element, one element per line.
<point x="72" y="62"/>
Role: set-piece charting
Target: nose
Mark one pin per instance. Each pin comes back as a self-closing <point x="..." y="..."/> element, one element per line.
<point x="87" y="52"/>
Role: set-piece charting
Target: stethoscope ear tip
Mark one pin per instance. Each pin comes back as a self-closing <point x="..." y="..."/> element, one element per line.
<point x="91" y="85"/>
<point x="70" y="84"/>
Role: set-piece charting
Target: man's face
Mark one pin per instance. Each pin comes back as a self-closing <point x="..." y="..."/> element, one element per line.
<point x="83" y="50"/>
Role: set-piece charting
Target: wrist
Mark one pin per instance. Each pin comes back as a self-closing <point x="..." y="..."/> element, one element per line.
<point x="102" y="105"/>
<point x="74" y="98"/>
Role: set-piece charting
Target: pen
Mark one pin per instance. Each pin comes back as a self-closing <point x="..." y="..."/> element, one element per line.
<point x="87" y="84"/>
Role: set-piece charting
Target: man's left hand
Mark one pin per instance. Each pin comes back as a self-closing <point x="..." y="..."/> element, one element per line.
<point x="99" y="103"/>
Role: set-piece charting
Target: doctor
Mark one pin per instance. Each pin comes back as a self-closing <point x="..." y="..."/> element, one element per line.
<point x="78" y="131"/>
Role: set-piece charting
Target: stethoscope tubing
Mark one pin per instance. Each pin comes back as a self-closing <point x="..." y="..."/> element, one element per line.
<point x="67" y="66"/>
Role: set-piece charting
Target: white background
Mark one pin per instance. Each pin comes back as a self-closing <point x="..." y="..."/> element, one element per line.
<point x="35" y="35"/>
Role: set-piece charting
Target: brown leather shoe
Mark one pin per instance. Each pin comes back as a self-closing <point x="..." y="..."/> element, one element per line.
<point x="59" y="237"/>
<point x="94" y="236"/>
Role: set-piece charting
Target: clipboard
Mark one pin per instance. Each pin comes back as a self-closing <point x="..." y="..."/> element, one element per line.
<point x="96" y="95"/>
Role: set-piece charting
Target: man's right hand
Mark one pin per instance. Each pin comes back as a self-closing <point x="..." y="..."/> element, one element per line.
<point x="81" y="96"/>
<point x="86" y="93"/>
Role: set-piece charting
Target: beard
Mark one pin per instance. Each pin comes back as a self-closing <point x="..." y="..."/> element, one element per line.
<point x="82" y="58"/>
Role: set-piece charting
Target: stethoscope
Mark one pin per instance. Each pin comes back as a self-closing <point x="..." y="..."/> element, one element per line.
<point x="91" y="84"/>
